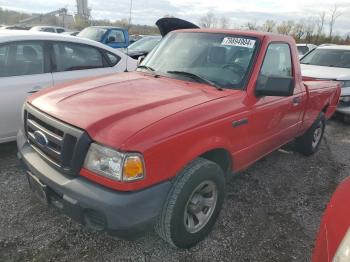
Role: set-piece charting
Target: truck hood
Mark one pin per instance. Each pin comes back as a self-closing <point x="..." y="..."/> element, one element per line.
<point x="325" y="72"/>
<point x="115" y="107"/>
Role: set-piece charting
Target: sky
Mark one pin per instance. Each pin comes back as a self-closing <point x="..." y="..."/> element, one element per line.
<point x="239" y="12"/>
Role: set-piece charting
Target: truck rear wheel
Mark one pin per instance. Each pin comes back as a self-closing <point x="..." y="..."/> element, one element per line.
<point x="193" y="204"/>
<point x="309" y="143"/>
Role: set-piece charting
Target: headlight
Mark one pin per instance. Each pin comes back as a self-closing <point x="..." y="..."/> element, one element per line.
<point x="343" y="252"/>
<point x="346" y="83"/>
<point x="115" y="165"/>
<point x="344" y="99"/>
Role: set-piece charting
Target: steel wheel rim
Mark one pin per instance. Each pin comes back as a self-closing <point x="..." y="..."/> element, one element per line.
<point x="317" y="135"/>
<point x="200" y="206"/>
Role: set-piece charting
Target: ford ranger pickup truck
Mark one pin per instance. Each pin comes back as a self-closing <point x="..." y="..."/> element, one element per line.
<point x="153" y="148"/>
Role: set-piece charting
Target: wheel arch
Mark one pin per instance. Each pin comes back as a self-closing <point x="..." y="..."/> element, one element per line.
<point x="221" y="157"/>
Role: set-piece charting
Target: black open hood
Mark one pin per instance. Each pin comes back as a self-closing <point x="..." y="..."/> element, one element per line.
<point x="168" y="24"/>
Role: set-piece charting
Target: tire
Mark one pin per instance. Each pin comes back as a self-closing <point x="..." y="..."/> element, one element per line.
<point x="177" y="223"/>
<point x="309" y="143"/>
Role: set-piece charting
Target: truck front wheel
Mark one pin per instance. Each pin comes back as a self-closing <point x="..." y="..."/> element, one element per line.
<point x="309" y="143"/>
<point x="193" y="204"/>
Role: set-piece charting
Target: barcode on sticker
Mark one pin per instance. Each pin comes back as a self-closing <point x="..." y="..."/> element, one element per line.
<point x="235" y="41"/>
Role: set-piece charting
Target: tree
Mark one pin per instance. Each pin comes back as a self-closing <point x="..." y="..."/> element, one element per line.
<point x="80" y="23"/>
<point x="208" y="21"/>
<point x="334" y="15"/>
<point x="252" y="26"/>
<point x="309" y="28"/>
<point x="224" y="22"/>
<point x="269" y="26"/>
<point x="285" y="28"/>
<point x="298" y="30"/>
<point x="320" y="25"/>
<point x="320" y="22"/>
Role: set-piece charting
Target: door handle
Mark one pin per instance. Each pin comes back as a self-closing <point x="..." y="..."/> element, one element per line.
<point x="296" y="101"/>
<point x="34" y="90"/>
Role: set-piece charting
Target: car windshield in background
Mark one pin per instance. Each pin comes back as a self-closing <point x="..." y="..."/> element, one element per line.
<point x="328" y="57"/>
<point x="145" y="44"/>
<point x="302" y="50"/>
<point x="93" y="33"/>
<point x="222" y="59"/>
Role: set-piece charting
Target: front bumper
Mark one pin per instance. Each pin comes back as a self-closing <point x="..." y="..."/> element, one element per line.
<point x="126" y="214"/>
<point x="344" y="108"/>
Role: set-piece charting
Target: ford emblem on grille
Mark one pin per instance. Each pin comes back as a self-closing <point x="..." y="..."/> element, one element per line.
<point x="41" y="138"/>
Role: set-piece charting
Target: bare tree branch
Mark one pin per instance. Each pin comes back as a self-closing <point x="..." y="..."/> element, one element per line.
<point x="335" y="14"/>
<point x="269" y="26"/>
<point x="208" y="21"/>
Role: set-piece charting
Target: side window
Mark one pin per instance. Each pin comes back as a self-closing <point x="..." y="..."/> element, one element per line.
<point x="59" y="30"/>
<point x="113" y="59"/>
<point x="49" y="29"/>
<point x="70" y="56"/>
<point x="23" y="58"/>
<point x="278" y="61"/>
<point x="118" y="36"/>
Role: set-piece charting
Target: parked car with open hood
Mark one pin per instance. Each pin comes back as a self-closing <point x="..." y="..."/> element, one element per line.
<point x="153" y="148"/>
<point x="332" y="63"/>
<point x="145" y="45"/>
<point x="30" y="61"/>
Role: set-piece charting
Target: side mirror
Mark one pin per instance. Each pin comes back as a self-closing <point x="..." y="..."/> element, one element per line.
<point x="140" y="59"/>
<point x="274" y="86"/>
<point x="111" y="39"/>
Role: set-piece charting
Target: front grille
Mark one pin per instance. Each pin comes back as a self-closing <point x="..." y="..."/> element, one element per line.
<point x="64" y="146"/>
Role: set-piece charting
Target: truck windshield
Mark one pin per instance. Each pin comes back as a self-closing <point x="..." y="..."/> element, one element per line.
<point x="93" y="33"/>
<point x="328" y="57"/>
<point x="222" y="59"/>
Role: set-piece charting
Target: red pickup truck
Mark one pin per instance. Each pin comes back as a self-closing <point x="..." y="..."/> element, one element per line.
<point x="153" y="148"/>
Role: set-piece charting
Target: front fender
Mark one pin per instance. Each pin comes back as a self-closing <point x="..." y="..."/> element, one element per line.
<point x="167" y="159"/>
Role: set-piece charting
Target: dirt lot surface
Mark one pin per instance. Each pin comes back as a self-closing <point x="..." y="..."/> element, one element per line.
<point x="271" y="213"/>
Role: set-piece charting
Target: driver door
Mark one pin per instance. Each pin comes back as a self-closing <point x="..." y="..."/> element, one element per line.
<point x="274" y="121"/>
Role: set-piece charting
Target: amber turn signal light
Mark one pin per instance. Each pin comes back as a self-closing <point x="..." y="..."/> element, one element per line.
<point x="133" y="168"/>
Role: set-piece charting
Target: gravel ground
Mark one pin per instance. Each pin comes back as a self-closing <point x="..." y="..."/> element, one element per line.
<point x="272" y="213"/>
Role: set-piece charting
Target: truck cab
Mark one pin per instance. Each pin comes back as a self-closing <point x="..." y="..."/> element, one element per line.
<point x="115" y="37"/>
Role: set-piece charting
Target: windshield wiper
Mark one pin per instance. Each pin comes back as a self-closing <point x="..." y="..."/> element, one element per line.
<point x="196" y="77"/>
<point x="146" y="67"/>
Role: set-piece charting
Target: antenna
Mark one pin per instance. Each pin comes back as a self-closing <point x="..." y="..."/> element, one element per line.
<point x="130" y="13"/>
<point x="127" y="48"/>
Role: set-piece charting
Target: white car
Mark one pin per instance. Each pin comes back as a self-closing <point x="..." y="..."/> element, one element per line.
<point x="49" y="29"/>
<point x="30" y="61"/>
<point x="304" y="49"/>
<point x="331" y="62"/>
